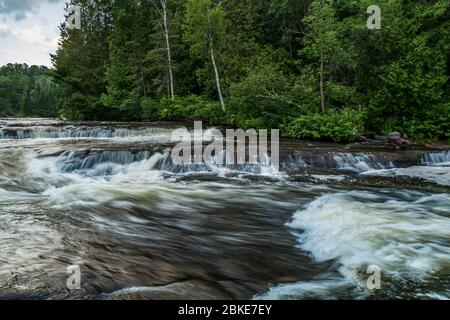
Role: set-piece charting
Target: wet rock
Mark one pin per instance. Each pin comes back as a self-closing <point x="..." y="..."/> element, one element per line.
<point x="395" y="140"/>
<point x="380" y="138"/>
<point x="394" y="136"/>
<point x="362" y="182"/>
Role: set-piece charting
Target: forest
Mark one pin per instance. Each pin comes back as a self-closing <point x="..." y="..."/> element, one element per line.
<point x="28" y="92"/>
<point x="311" y="68"/>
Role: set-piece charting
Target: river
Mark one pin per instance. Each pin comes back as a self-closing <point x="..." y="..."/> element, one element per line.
<point x="105" y="197"/>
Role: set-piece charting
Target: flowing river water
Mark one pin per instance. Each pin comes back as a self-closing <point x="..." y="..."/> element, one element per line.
<point x="106" y="197"/>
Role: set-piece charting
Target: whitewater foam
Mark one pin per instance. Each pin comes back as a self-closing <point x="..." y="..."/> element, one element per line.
<point x="408" y="240"/>
<point x="361" y="162"/>
<point x="435" y="173"/>
<point x="437" y="158"/>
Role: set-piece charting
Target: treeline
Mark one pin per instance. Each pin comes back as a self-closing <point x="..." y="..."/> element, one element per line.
<point x="28" y="92"/>
<point x="309" y="67"/>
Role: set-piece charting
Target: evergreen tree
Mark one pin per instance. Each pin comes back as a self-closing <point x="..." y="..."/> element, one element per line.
<point x="274" y="63"/>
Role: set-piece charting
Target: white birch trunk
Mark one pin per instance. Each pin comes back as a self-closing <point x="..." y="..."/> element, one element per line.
<point x="169" y="53"/>
<point x="322" y="93"/>
<point x="162" y="11"/>
<point x="216" y="72"/>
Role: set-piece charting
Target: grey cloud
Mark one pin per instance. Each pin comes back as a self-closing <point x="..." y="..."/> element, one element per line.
<point x="19" y="8"/>
<point x="4" y="31"/>
<point x="20" y="16"/>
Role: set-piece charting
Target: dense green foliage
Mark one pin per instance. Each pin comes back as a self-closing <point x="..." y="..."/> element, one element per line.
<point x="345" y="125"/>
<point x="310" y="67"/>
<point x="27" y="92"/>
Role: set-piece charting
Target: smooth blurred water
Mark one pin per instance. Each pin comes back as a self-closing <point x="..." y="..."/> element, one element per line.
<point x="141" y="228"/>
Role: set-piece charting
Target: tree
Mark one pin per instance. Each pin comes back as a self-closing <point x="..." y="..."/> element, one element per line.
<point x="286" y="17"/>
<point x="205" y="30"/>
<point x="323" y="44"/>
<point x="161" y="8"/>
<point x="28" y="91"/>
<point x="81" y="59"/>
<point x="272" y="61"/>
<point x="127" y="79"/>
<point x="402" y="69"/>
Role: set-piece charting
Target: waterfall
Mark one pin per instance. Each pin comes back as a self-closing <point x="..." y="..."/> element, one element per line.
<point x="80" y="161"/>
<point x="110" y="162"/>
<point x="83" y="132"/>
<point x="436" y="158"/>
<point x="361" y="162"/>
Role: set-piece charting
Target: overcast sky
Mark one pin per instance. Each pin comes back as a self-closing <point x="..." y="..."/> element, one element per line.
<point x="29" y="30"/>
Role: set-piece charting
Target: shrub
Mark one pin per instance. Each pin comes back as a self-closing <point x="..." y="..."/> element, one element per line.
<point x="432" y="125"/>
<point x="342" y="126"/>
<point x="187" y="108"/>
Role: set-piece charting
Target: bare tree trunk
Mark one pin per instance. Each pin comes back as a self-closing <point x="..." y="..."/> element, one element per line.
<point x="322" y="94"/>
<point x="143" y="81"/>
<point x="165" y="27"/>
<point x="169" y="53"/>
<point x="213" y="59"/>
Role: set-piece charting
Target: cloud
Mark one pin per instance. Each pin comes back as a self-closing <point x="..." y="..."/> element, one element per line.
<point x="20" y="8"/>
<point x="5" y="31"/>
<point x="29" y="30"/>
<point x="33" y="36"/>
<point x="20" y="16"/>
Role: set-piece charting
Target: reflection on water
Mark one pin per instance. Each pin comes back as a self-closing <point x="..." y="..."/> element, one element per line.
<point x="140" y="228"/>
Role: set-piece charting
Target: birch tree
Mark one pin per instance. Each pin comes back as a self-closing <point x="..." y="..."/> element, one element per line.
<point x="322" y="41"/>
<point x="161" y="9"/>
<point x="205" y="30"/>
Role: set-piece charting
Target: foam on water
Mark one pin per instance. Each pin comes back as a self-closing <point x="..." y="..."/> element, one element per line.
<point x="101" y="177"/>
<point x="329" y="289"/>
<point x="404" y="232"/>
<point x="437" y="174"/>
<point x="408" y="239"/>
<point x="361" y="162"/>
<point x="83" y="132"/>
<point x="437" y="158"/>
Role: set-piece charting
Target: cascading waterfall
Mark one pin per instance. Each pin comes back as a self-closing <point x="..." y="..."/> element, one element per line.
<point x="78" y="161"/>
<point x="106" y="162"/>
<point x="361" y="162"/>
<point x="141" y="226"/>
<point x="437" y="158"/>
<point x="86" y="132"/>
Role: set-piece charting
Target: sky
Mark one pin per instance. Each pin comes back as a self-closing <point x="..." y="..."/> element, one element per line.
<point x="29" y="30"/>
